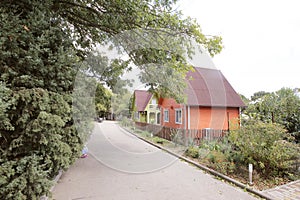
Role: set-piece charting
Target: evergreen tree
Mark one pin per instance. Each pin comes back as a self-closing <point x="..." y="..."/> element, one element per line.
<point x="42" y="44"/>
<point x="38" y="137"/>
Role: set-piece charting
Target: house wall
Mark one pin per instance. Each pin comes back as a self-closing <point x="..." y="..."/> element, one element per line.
<point x="197" y="117"/>
<point x="214" y="118"/>
<point x="234" y="120"/>
<point x="149" y="114"/>
<point x="171" y="105"/>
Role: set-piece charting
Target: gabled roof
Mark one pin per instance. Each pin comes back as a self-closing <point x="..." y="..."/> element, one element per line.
<point x="205" y="87"/>
<point x="142" y="99"/>
<point x="209" y="87"/>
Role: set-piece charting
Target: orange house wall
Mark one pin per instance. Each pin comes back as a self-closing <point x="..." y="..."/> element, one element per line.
<point x="214" y="118"/>
<point x="200" y="117"/>
<point x="171" y="105"/>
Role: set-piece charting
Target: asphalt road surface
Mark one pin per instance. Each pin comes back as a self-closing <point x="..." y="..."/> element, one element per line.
<point x="122" y="167"/>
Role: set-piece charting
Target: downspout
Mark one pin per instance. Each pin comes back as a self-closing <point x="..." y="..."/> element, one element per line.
<point x="240" y="116"/>
<point x="189" y="117"/>
<point x="184" y="124"/>
<point x="228" y="121"/>
<point x="184" y="118"/>
<point x="189" y="122"/>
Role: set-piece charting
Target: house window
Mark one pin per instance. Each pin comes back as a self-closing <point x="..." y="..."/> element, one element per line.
<point x="137" y="115"/>
<point x="166" y="115"/>
<point x="178" y="116"/>
<point x="153" y="101"/>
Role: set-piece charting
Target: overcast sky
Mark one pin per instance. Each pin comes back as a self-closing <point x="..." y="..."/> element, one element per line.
<point x="261" y="40"/>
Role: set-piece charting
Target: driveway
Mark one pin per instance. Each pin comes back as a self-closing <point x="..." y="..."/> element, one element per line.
<point x="122" y="167"/>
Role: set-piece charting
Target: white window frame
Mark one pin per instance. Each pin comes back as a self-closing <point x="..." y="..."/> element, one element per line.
<point x="137" y="115"/>
<point x="166" y="115"/>
<point x="176" y="117"/>
<point x="153" y="101"/>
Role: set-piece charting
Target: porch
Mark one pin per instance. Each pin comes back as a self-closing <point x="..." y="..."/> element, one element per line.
<point x="151" y="115"/>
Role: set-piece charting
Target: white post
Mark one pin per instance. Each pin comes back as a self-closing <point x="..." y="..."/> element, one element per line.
<point x="250" y="174"/>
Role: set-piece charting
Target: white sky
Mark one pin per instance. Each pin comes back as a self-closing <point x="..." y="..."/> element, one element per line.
<point x="261" y="40"/>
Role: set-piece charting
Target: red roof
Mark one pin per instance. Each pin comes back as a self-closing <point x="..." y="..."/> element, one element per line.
<point x="209" y="87"/>
<point x="206" y="87"/>
<point x="142" y="99"/>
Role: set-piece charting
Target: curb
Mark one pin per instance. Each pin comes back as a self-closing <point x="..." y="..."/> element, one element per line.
<point x="204" y="168"/>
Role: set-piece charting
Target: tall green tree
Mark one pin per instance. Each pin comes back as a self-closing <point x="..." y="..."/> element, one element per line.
<point x="37" y="67"/>
<point x="42" y="46"/>
<point x="282" y="107"/>
<point x="258" y="95"/>
<point x="102" y="100"/>
<point x="120" y="104"/>
<point x="104" y="70"/>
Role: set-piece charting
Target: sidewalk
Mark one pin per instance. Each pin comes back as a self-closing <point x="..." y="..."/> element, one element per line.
<point x="290" y="191"/>
<point x="81" y="181"/>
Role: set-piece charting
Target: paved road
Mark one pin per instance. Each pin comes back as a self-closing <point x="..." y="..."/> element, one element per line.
<point x="122" y="167"/>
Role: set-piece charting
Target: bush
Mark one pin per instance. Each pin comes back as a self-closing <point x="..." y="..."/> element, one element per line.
<point x="225" y="167"/>
<point x="159" y="140"/>
<point x="216" y="157"/>
<point x="126" y="122"/>
<point x="262" y="145"/>
<point x="193" y="152"/>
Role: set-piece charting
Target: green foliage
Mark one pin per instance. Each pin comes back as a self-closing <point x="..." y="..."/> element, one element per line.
<point x="257" y="95"/>
<point x="262" y="144"/>
<point x="44" y="115"/>
<point x="105" y="70"/>
<point x="126" y="122"/>
<point x="177" y="136"/>
<point x="37" y="71"/>
<point x="226" y="167"/>
<point x="282" y="107"/>
<point x="168" y="83"/>
<point x="120" y="103"/>
<point x="24" y="178"/>
<point x="192" y="151"/>
<point x="102" y="100"/>
<point x="222" y="146"/>
<point x="159" y="140"/>
<point x="220" y="161"/>
<point x="218" y="154"/>
<point x="5" y="103"/>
